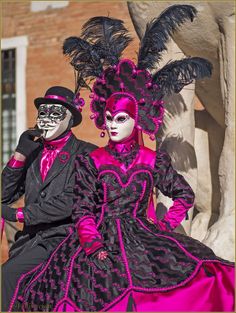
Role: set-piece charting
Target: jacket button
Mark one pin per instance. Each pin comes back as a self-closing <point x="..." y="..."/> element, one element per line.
<point x="43" y="194"/>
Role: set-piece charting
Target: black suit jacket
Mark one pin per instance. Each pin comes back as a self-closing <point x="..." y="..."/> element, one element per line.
<point x="48" y="203"/>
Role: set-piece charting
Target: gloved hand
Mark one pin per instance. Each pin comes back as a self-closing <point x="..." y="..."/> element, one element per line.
<point x="164" y="225"/>
<point x="102" y="259"/>
<point x="26" y="144"/>
<point x="175" y="215"/>
<point x="9" y="213"/>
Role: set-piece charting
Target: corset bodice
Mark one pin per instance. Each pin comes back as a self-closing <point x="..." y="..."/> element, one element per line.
<point x="126" y="189"/>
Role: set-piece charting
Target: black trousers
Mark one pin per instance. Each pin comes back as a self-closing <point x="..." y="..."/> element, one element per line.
<point x="15" y="267"/>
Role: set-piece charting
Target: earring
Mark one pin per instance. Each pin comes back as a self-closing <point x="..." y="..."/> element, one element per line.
<point x="102" y="135"/>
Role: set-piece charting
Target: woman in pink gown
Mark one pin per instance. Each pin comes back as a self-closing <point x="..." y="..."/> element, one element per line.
<point x="119" y="257"/>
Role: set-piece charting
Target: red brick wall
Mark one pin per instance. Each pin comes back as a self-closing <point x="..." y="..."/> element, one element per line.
<point x="46" y="66"/>
<point x="46" y="31"/>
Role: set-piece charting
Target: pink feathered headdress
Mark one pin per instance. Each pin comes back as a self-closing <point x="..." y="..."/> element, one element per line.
<point x="96" y="54"/>
<point x="126" y="81"/>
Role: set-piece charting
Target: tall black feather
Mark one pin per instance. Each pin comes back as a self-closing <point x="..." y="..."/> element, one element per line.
<point x="177" y="74"/>
<point x="158" y="31"/>
<point x="108" y="36"/>
<point x="84" y="59"/>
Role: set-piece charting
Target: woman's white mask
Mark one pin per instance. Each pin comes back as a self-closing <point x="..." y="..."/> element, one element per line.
<point x="119" y="126"/>
<point x="53" y="119"/>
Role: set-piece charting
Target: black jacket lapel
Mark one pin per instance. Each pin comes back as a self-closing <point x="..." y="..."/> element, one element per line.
<point x="62" y="159"/>
<point x="36" y="167"/>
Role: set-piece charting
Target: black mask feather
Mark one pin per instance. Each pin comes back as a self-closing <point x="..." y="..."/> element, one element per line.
<point x="177" y="74"/>
<point x="108" y="36"/>
<point x="84" y="58"/>
<point x="158" y="31"/>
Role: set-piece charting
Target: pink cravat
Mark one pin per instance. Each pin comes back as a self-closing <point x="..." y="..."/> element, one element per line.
<point x="50" y="152"/>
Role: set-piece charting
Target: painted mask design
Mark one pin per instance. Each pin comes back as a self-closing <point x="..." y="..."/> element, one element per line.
<point x="53" y="119"/>
<point x="119" y="126"/>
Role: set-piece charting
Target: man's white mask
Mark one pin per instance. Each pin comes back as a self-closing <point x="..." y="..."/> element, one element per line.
<point x="120" y="126"/>
<point x="53" y="119"/>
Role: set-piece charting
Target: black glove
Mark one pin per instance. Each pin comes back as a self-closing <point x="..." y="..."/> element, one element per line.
<point x="26" y="144"/>
<point x="104" y="265"/>
<point x="9" y="213"/>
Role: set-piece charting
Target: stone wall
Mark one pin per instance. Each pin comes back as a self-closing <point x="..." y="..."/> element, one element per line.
<point x="206" y="128"/>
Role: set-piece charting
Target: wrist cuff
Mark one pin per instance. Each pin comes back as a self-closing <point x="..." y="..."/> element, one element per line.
<point x="20" y="215"/>
<point x="15" y="163"/>
<point x="168" y="226"/>
<point x="94" y="250"/>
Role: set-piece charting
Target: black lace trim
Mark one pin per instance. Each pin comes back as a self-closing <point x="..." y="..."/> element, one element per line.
<point x="126" y="157"/>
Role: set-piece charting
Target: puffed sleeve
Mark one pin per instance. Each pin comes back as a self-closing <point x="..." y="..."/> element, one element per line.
<point x="173" y="185"/>
<point x="86" y="201"/>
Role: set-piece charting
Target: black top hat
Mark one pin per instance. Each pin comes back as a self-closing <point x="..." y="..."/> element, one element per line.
<point x="65" y="97"/>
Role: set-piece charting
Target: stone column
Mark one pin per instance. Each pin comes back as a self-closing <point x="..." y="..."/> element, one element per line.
<point x="217" y="237"/>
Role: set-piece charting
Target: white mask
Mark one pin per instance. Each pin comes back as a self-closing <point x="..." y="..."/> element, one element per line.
<point x="53" y="119"/>
<point x="120" y="126"/>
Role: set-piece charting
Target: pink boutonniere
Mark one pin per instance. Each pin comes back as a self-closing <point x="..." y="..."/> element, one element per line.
<point x="64" y="156"/>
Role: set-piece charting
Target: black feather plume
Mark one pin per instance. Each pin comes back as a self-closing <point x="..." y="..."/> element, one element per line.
<point x="177" y="74"/>
<point x="158" y="31"/>
<point x="108" y="36"/>
<point x="84" y="59"/>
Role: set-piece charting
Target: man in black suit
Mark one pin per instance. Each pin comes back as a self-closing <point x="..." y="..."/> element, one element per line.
<point x="42" y="170"/>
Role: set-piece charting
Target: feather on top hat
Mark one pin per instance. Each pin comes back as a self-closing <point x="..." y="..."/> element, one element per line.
<point x="67" y="98"/>
<point x="96" y="54"/>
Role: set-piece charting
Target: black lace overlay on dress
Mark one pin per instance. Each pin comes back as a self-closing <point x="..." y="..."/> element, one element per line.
<point x="156" y="260"/>
<point x="126" y="192"/>
<point x="42" y="294"/>
<point x="168" y="181"/>
<point x="125" y="157"/>
<point x="88" y="193"/>
<point x="153" y="263"/>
